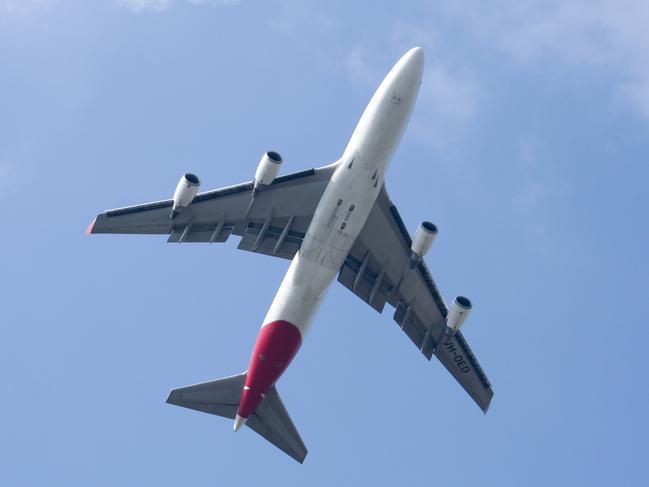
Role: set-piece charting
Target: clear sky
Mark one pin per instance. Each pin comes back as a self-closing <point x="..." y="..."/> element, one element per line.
<point x="529" y="148"/>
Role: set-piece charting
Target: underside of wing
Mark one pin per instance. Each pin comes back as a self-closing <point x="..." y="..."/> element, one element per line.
<point x="379" y="269"/>
<point x="271" y="221"/>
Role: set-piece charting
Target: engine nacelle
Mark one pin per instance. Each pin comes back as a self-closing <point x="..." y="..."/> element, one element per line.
<point x="458" y="312"/>
<point x="424" y="237"/>
<point x="268" y="168"/>
<point x="185" y="192"/>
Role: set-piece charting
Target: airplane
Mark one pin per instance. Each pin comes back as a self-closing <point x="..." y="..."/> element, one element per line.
<point x="335" y="220"/>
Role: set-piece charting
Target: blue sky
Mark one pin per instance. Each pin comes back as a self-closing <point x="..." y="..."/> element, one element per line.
<point x="529" y="148"/>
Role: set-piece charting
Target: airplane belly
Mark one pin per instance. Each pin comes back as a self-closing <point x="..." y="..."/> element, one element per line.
<point x="338" y="219"/>
<point x="337" y="222"/>
<point x="300" y="293"/>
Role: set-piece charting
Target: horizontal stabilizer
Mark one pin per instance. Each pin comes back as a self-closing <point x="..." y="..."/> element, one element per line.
<point x="221" y="397"/>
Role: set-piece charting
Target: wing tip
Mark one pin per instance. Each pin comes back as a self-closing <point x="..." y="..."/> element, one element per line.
<point x="300" y="458"/>
<point x="91" y="226"/>
<point x="174" y="397"/>
<point x="485" y="407"/>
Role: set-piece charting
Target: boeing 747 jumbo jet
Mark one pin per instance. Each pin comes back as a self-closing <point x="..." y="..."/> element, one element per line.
<point x="336" y="220"/>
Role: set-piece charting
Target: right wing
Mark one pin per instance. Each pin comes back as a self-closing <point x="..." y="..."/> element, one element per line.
<point x="375" y="270"/>
<point x="274" y="224"/>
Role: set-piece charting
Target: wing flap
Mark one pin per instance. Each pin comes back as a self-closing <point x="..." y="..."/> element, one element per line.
<point x="216" y="232"/>
<point x="277" y="238"/>
<point x="405" y="317"/>
<point x="366" y="281"/>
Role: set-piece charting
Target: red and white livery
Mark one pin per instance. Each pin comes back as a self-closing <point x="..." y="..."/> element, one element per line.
<point x="334" y="221"/>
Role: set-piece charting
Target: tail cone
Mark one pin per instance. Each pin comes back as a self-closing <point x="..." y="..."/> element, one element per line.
<point x="239" y="422"/>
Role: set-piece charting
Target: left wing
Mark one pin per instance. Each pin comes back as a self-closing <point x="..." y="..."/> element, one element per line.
<point x="374" y="271"/>
<point x="274" y="223"/>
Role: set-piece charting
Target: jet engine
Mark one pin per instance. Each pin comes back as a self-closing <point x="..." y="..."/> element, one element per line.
<point x="185" y="192"/>
<point x="268" y="168"/>
<point x="457" y="313"/>
<point x="424" y="237"/>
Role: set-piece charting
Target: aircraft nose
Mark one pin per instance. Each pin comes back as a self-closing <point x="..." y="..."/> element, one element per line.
<point x="414" y="60"/>
<point x="416" y="55"/>
<point x="411" y="65"/>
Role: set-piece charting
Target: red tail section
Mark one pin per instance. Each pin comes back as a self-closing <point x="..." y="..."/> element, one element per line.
<point x="276" y="345"/>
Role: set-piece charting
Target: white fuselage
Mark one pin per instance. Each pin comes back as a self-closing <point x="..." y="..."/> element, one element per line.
<point x="339" y="217"/>
<point x="350" y="195"/>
